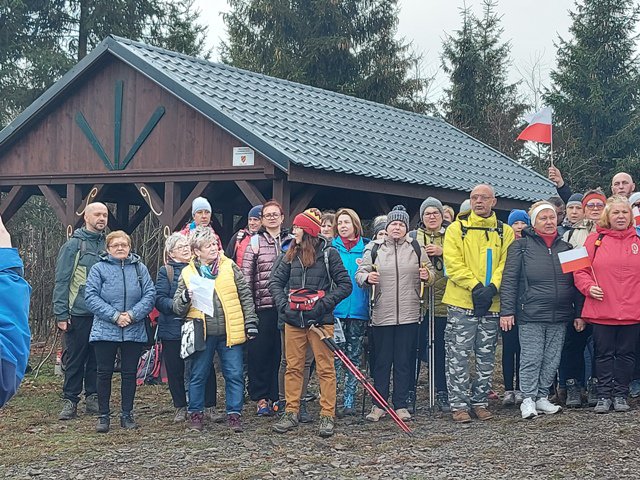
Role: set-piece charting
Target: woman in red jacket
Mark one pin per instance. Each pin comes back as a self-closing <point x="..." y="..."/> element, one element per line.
<point x="614" y="251"/>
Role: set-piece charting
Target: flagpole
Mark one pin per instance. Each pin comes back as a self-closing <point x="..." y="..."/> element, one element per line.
<point x="552" y="143"/>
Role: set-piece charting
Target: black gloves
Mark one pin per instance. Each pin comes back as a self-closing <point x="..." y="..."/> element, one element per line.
<point x="482" y="298"/>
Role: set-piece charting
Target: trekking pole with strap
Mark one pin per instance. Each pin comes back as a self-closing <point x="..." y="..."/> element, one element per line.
<point x="417" y="365"/>
<point x="372" y="304"/>
<point x="432" y="354"/>
<point x="355" y="371"/>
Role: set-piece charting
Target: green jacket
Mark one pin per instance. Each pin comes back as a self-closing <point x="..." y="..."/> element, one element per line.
<point x="426" y="237"/>
<point x="75" y="259"/>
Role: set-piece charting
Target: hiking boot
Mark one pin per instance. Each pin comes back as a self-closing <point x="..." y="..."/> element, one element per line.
<point x="326" y="426"/>
<point x="574" y="398"/>
<point x="404" y="414"/>
<point x="442" y="402"/>
<point x="234" y="422"/>
<point x="196" y="422"/>
<point x="91" y="404"/>
<point x="264" y="408"/>
<point x="482" y="413"/>
<point x="592" y="393"/>
<point x="461" y="416"/>
<point x="69" y="410"/>
<point x="528" y="409"/>
<point x="376" y="414"/>
<point x="634" y="388"/>
<point x="509" y="399"/>
<point x="127" y="421"/>
<point x="620" y="404"/>
<point x="603" y="405"/>
<point x="519" y="397"/>
<point x="543" y="405"/>
<point x="213" y="416"/>
<point x="181" y="415"/>
<point x="303" y="415"/>
<point x="289" y="421"/>
<point x="103" y="424"/>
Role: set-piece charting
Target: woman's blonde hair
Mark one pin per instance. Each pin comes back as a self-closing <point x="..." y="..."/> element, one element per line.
<point x="355" y="219"/>
<point x="604" y="221"/>
<point x="201" y="236"/>
<point x="117" y="234"/>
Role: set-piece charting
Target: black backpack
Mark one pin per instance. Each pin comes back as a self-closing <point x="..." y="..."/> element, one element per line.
<point x="465" y="229"/>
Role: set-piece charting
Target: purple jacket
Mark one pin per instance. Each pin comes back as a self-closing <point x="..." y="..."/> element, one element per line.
<point x="257" y="264"/>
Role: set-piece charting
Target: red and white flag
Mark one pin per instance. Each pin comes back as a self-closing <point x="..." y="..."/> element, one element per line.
<point x="539" y="129"/>
<point x="636" y="216"/>
<point x="575" y="259"/>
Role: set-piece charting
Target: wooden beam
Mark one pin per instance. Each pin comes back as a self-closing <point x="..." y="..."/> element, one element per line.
<point x="95" y="195"/>
<point x="303" y="199"/>
<point x="74" y="198"/>
<point x="122" y="214"/>
<point x="282" y="194"/>
<point x="171" y="200"/>
<point x="113" y="223"/>
<point x="152" y="198"/>
<point x="137" y="218"/>
<point x="16" y="197"/>
<point x="250" y="191"/>
<point x="185" y="208"/>
<point x="55" y="202"/>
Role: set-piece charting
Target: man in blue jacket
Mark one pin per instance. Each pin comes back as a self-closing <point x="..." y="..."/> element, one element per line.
<point x="75" y="259"/>
<point x="14" y="318"/>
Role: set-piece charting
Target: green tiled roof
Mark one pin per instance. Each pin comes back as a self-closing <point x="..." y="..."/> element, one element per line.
<point x="314" y="128"/>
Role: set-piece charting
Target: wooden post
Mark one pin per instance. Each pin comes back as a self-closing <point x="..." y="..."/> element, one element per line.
<point x="281" y="193"/>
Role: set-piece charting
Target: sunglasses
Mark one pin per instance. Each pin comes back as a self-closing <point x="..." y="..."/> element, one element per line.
<point x="593" y="205"/>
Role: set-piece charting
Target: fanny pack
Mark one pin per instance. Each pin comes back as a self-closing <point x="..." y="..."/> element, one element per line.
<point x="304" y="298"/>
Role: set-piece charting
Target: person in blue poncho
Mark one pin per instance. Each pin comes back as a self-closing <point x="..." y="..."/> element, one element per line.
<point x="15" y="337"/>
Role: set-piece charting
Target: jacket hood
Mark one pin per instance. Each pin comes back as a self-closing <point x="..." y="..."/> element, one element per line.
<point x="439" y="233"/>
<point x="174" y="263"/>
<point x="84" y="234"/>
<point x="629" y="232"/>
<point x="390" y="241"/>
<point x="132" y="258"/>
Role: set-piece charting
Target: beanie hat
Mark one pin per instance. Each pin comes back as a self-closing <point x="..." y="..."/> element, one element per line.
<point x="309" y="221"/>
<point x="466" y="206"/>
<point x="431" y="202"/>
<point x="574" y="199"/>
<point x="200" y="203"/>
<point x="634" y="198"/>
<point x="255" y="212"/>
<point x="398" y="214"/>
<point x="592" y="196"/>
<point x="379" y="224"/>
<point x="536" y="211"/>
<point x="518" y="216"/>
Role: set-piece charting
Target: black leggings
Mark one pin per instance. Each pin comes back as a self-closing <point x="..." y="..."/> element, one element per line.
<point x="105" y="358"/>
<point x="511" y="359"/>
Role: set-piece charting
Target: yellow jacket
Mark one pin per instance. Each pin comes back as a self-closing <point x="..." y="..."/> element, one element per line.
<point x="478" y="258"/>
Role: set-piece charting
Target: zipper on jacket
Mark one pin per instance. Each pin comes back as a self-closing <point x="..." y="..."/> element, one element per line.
<point x="124" y="286"/>
<point x="555" y="282"/>
<point x="304" y="280"/>
<point x="395" y="244"/>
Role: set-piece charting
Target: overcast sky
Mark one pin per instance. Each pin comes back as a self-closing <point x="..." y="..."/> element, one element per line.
<point x="531" y="26"/>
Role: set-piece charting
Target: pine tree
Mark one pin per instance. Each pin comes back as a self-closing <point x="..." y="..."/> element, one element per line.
<point x="347" y="46"/>
<point x="480" y="100"/>
<point x="595" y="93"/>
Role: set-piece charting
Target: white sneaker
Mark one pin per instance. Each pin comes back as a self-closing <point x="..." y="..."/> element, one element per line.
<point x="543" y="405"/>
<point x="528" y="408"/>
<point x="404" y="414"/>
<point x="376" y="414"/>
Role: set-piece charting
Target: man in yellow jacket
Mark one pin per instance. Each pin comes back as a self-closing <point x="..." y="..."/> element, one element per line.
<point x="475" y="251"/>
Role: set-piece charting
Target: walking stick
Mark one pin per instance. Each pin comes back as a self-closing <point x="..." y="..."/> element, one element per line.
<point x="372" y="304"/>
<point x="432" y="354"/>
<point x="417" y="365"/>
<point x="331" y="344"/>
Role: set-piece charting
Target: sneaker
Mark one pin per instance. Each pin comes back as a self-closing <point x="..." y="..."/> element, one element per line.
<point x="543" y="405"/>
<point x="181" y="415"/>
<point x="289" y="421"/>
<point x="264" y="408"/>
<point x="519" y="397"/>
<point x="376" y="414"/>
<point x="620" y="404"/>
<point x="574" y="398"/>
<point x="442" y="402"/>
<point x="69" y="410"/>
<point x="528" y="409"/>
<point x="103" y="424"/>
<point x="461" y="416"/>
<point x="404" y="414"/>
<point x="213" y="416"/>
<point x="634" y="388"/>
<point x="303" y="414"/>
<point x="196" y="422"/>
<point x="234" y="422"/>
<point x="509" y="399"/>
<point x="91" y="404"/>
<point x="482" y="413"/>
<point x="127" y="421"/>
<point x="326" y="426"/>
<point x="603" y="405"/>
<point x="592" y="393"/>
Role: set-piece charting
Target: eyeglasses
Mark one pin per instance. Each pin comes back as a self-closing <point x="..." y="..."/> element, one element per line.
<point x="484" y="198"/>
<point x="271" y="215"/>
<point x="119" y="245"/>
<point x="593" y="205"/>
<point x="431" y="214"/>
<point x="181" y="247"/>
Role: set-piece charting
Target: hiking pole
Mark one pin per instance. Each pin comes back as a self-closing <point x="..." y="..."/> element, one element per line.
<point x="372" y="304"/>
<point x="366" y="363"/>
<point x="331" y="344"/>
<point x="432" y="353"/>
<point x="417" y="365"/>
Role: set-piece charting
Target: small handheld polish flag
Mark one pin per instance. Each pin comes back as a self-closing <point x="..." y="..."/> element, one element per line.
<point x="573" y="260"/>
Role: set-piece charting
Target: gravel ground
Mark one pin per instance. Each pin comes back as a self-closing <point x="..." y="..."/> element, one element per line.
<point x="574" y="444"/>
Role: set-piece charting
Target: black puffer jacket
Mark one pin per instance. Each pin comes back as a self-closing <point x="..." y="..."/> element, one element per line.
<point x="534" y="289"/>
<point x="294" y="275"/>
<point x="169" y="324"/>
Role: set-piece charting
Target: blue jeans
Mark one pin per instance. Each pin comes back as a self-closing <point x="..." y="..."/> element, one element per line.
<point x="231" y="359"/>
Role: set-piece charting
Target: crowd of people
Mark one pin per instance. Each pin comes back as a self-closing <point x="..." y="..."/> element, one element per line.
<point x="565" y="335"/>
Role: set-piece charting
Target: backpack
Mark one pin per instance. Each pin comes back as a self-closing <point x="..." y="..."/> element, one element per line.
<point x="170" y="273"/>
<point x="151" y="367"/>
<point x="414" y="244"/>
<point x="465" y="229"/>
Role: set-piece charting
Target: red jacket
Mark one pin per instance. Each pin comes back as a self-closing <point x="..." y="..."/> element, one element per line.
<point x="617" y="269"/>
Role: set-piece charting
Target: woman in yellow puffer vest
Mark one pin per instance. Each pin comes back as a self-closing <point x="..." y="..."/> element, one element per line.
<point x="233" y="322"/>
